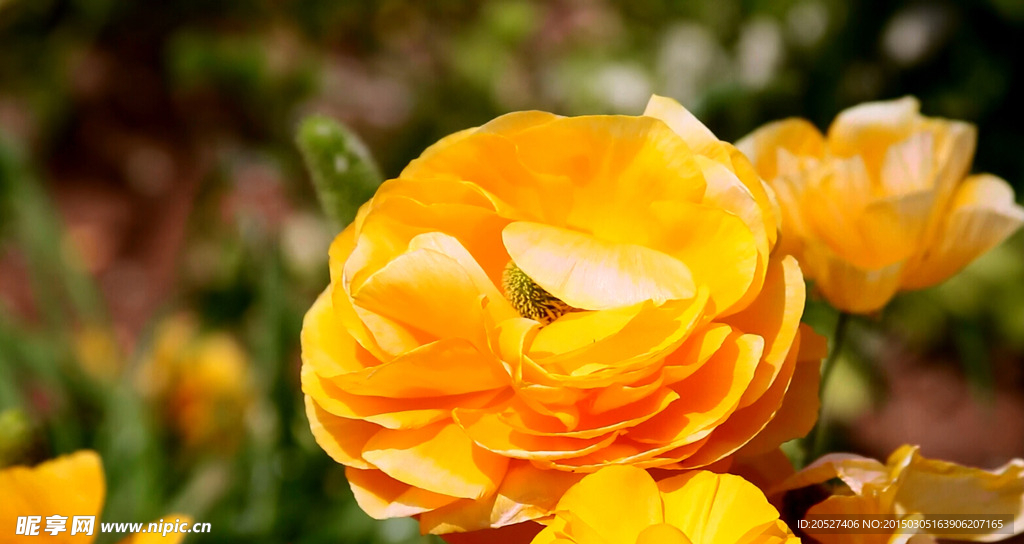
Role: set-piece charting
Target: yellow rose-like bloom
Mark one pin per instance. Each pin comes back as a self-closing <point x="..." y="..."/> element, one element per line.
<point x="68" y="486"/>
<point x="624" y="505"/>
<point x="881" y="204"/>
<point x="908" y="486"/>
<point x="201" y="382"/>
<point x="544" y="296"/>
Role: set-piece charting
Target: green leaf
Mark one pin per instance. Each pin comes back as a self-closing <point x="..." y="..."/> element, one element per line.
<point x="343" y="172"/>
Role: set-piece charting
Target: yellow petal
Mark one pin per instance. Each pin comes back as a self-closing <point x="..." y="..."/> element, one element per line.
<point x="591" y="274"/>
<point x="984" y="214"/>
<point x="869" y="129"/>
<point x="617" y="520"/>
<point x="716" y="246"/>
<point x="681" y="121"/>
<point x="847" y="287"/>
<point x="712" y="508"/>
<point x="382" y="496"/>
<point x="854" y="470"/>
<point x="934" y="487"/>
<point x="72" y="485"/>
<point x="662" y="533"/>
<point x="439" y="458"/>
<point x="797" y="136"/>
<point x="615" y="166"/>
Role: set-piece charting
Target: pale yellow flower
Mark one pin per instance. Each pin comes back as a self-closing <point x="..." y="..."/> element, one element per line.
<point x="882" y="203"/>
<point x="907" y="486"/>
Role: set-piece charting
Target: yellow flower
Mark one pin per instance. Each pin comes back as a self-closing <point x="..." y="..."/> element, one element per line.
<point x="881" y="204"/>
<point x="544" y="296"/>
<point x="201" y="381"/>
<point x="624" y="505"/>
<point x="909" y="486"/>
<point x="68" y="486"/>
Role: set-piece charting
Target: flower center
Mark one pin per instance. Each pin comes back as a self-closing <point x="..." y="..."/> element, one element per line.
<point x="530" y="299"/>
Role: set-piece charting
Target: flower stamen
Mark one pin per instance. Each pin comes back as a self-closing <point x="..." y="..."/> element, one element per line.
<point x="529" y="299"/>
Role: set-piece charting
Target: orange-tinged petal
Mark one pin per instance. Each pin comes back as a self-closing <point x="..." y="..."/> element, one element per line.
<point x="71" y="485"/>
<point x="438" y="296"/>
<point x="652" y="333"/>
<point x="447" y="367"/>
<point x="343" y="439"/>
<point x="439" y="458"/>
<point x="799" y="410"/>
<point x="525" y="493"/>
<point x="495" y="435"/>
<point x="746" y="422"/>
<point x="712" y="508"/>
<point x="774" y="316"/>
<point x="591" y="274"/>
<point x="493" y="162"/>
<point x="618" y="521"/>
<point x="382" y="496"/>
<point x="328" y="348"/>
<point x="707" y="396"/>
<point x="411" y="413"/>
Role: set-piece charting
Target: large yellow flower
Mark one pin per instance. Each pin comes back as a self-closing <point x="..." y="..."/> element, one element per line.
<point x="68" y="486"/>
<point x="881" y="204"/>
<point x="544" y="296"/>
<point x="909" y="486"/>
<point x="624" y="505"/>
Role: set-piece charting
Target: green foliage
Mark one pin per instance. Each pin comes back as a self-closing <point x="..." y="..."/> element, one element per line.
<point x="342" y="169"/>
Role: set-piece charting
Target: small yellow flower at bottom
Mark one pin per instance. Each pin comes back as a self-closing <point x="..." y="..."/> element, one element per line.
<point x="64" y="489"/>
<point x="624" y="505"/>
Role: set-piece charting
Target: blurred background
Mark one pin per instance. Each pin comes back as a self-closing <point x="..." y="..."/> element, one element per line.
<point x="160" y="239"/>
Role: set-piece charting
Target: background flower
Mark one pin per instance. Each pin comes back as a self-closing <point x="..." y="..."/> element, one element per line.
<point x="881" y="204"/>
<point x="69" y="486"/>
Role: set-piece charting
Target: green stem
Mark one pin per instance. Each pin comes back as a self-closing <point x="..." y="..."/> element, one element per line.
<point x="817" y="440"/>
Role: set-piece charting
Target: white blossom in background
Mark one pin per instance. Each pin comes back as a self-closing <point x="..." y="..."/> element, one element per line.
<point x="759" y="51"/>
